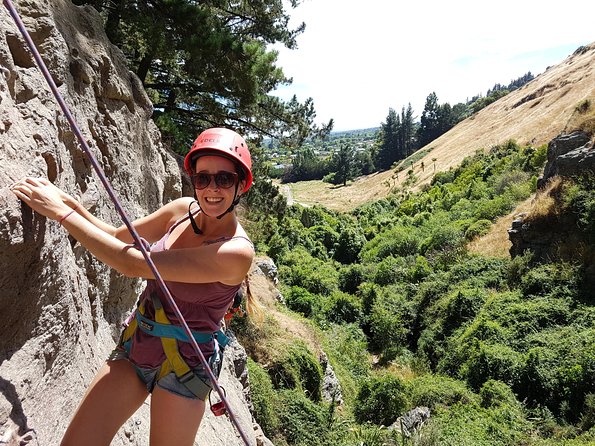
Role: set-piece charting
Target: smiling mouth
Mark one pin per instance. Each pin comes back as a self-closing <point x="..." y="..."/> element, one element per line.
<point x="213" y="200"/>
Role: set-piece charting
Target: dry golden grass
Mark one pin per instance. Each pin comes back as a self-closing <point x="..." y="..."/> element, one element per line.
<point x="547" y="202"/>
<point x="496" y="243"/>
<point x="277" y="329"/>
<point x="534" y="114"/>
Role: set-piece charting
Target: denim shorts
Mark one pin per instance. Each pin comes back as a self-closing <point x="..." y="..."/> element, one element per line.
<point x="170" y="381"/>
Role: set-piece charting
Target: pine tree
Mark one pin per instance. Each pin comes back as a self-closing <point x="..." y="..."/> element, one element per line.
<point x="344" y="162"/>
<point x="408" y="131"/>
<point x="388" y="141"/>
<point x="207" y="63"/>
<point x="429" y="126"/>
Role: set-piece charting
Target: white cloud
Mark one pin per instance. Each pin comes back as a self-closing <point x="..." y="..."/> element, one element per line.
<point x="357" y="59"/>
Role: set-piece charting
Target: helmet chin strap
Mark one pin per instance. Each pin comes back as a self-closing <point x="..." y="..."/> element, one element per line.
<point x="195" y="227"/>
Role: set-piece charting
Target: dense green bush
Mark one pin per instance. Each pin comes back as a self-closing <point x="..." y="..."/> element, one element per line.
<point x="299" y="268"/>
<point x="394" y="242"/>
<point x="468" y="424"/>
<point x="381" y="400"/>
<point x="343" y="308"/>
<point x="298" y="368"/>
<point x="264" y="399"/>
<point x="390" y="321"/>
<point x="493" y="361"/>
<point x="431" y="390"/>
<point x="350" y="243"/>
<point x="302" y="421"/>
<point x="477" y="229"/>
<point x="495" y="393"/>
<point x="302" y="301"/>
<point x="351" y="277"/>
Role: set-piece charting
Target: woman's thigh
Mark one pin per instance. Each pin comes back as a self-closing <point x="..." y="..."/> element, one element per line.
<point x="174" y="418"/>
<point x="114" y="395"/>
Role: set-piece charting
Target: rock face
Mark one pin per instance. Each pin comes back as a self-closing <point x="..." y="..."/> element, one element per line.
<point x="60" y="309"/>
<point x="567" y="155"/>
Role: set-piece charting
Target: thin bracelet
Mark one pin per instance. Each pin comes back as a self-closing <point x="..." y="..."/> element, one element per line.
<point x="66" y="216"/>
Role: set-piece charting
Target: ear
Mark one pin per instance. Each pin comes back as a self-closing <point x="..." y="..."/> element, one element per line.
<point x="241" y="186"/>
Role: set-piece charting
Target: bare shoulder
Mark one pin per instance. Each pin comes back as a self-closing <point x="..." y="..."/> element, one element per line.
<point x="181" y="203"/>
<point x="237" y="254"/>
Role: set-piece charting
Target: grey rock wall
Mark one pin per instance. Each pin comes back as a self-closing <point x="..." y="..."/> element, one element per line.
<point x="60" y="309"/>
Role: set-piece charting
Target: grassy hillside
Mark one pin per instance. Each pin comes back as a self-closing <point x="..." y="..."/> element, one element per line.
<point x="415" y="302"/>
<point x="533" y="114"/>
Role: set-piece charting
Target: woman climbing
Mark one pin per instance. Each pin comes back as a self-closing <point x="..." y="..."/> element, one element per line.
<point x="203" y="254"/>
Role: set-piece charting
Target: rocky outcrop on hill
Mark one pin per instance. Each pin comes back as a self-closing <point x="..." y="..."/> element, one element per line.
<point x="567" y="155"/>
<point x="60" y="309"/>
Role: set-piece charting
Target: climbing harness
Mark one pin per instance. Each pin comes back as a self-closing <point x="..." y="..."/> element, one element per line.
<point x="169" y="334"/>
<point x="139" y="243"/>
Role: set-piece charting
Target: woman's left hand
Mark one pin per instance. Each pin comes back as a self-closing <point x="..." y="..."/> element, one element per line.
<point x="41" y="196"/>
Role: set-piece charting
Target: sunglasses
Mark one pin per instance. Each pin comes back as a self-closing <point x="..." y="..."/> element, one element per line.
<point x="223" y="179"/>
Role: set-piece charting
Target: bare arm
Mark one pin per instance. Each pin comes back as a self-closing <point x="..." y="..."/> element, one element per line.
<point x="226" y="262"/>
<point x="151" y="227"/>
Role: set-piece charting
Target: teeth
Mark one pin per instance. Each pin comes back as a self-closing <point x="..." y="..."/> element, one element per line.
<point x="214" y="200"/>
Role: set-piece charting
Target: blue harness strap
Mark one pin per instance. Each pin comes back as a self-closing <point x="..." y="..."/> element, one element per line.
<point x="177" y="332"/>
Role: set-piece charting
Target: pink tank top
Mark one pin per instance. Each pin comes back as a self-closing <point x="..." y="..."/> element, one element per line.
<point x="203" y="306"/>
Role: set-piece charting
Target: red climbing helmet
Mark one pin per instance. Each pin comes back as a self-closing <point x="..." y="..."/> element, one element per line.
<point x="223" y="142"/>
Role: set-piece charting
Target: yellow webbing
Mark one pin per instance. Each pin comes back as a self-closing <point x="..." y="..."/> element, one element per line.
<point x="170" y="347"/>
<point x="174" y="361"/>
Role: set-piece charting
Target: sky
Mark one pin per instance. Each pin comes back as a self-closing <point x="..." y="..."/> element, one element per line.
<point x="357" y="59"/>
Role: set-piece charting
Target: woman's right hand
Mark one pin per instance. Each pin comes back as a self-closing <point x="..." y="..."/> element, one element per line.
<point x="43" y="197"/>
<point x="67" y="199"/>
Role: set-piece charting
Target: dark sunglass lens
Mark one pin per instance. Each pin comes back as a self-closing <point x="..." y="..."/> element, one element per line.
<point x="225" y="179"/>
<point x="201" y="180"/>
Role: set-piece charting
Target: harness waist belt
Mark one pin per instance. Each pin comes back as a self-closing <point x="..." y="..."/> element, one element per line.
<point x="176" y="332"/>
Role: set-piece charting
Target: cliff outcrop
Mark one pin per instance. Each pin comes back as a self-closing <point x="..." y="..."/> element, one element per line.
<point x="552" y="232"/>
<point x="60" y="309"/>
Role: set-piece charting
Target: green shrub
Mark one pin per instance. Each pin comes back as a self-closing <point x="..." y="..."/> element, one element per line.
<point x="472" y="425"/>
<point x="391" y="270"/>
<point x="298" y="368"/>
<point x="478" y="229"/>
<point x="539" y="157"/>
<point x="381" y="400"/>
<point x="343" y="308"/>
<point x="547" y="278"/>
<point x="263" y="397"/>
<point x="302" y="421"/>
<point x="493" y="361"/>
<point x="433" y="390"/>
<point x="462" y="304"/>
<point x="302" y="301"/>
<point x="351" y="277"/>
<point x="496" y="393"/>
<point x="442" y="237"/>
<point x="588" y="413"/>
<point x="299" y="268"/>
<point x="346" y="347"/>
<point x="350" y="243"/>
<point x="325" y="235"/>
<point x="389" y="321"/>
<point x="398" y="241"/>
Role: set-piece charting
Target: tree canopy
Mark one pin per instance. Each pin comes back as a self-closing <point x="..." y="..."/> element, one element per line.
<point x="208" y="63"/>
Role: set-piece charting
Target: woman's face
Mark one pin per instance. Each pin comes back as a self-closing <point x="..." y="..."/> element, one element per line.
<point x="215" y="198"/>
